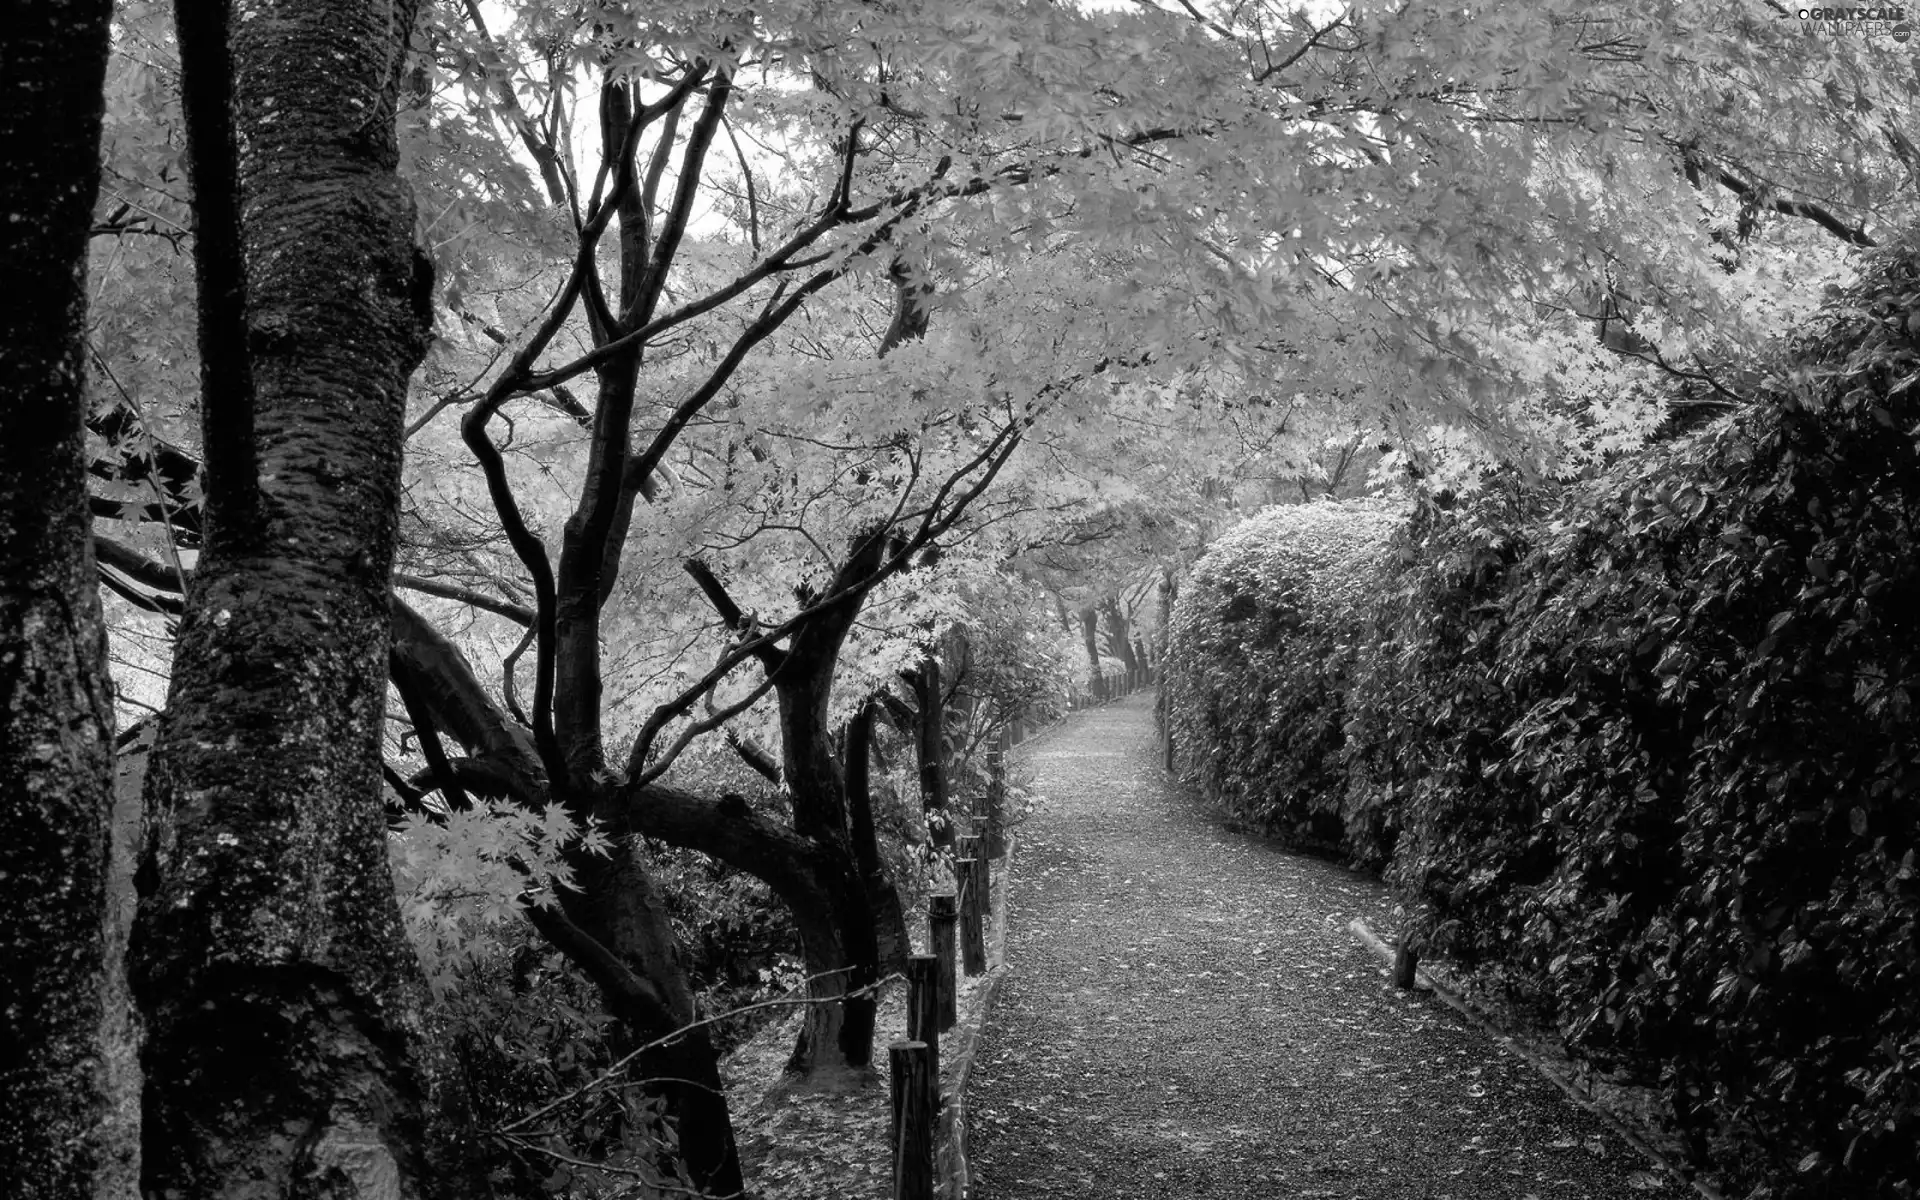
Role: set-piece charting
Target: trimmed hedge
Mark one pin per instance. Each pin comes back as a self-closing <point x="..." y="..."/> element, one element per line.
<point x="1650" y="748"/>
<point x="1259" y="643"/>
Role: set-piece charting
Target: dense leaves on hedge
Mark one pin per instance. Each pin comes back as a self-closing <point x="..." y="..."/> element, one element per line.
<point x="1258" y="647"/>
<point x="1650" y="747"/>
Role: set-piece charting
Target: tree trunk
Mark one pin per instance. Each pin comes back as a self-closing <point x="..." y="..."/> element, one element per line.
<point x="1118" y="636"/>
<point x="838" y="939"/>
<point x="1090" y="637"/>
<point x="619" y="906"/>
<point x="282" y="1001"/>
<point x="63" y="1132"/>
<point x="890" y="919"/>
<point x="930" y="744"/>
<point x="839" y="936"/>
<point x="616" y="931"/>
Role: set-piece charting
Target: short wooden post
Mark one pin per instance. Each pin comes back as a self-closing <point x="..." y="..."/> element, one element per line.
<point x="974" y="848"/>
<point x="997" y="794"/>
<point x="1405" y="959"/>
<point x="923" y="1009"/>
<point x="943" y="918"/>
<point x="973" y="937"/>
<point x="910" y="1064"/>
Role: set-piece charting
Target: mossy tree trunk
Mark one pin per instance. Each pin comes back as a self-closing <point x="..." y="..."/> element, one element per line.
<point x="282" y="1001"/>
<point x="59" y="1132"/>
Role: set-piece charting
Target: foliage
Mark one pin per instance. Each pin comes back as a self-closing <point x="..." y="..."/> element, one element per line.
<point x="1690" y="683"/>
<point x="1260" y="645"/>
<point x="1440" y="195"/>
<point x="464" y="875"/>
<point x="528" y="1036"/>
<point x="736" y="940"/>
<point x="1649" y="740"/>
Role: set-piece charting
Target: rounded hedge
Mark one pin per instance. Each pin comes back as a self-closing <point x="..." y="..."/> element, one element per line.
<point x="1259" y="644"/>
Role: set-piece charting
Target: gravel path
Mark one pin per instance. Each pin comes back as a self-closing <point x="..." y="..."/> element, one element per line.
<point x="1188" y="1016"/>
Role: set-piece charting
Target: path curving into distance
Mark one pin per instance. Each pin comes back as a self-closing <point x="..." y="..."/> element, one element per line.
<point x="1188" y="1016"/>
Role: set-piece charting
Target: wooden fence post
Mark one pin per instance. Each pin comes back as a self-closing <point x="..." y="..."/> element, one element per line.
<point x="974" y="849"/>
<point x="943" y="918"/>
<point x="910" y="1065"/>
<point x="923" y="1011"/>
<point x="997" y="794"/>
<point x="973" y="938"/>
<point x="1405" y="959"/>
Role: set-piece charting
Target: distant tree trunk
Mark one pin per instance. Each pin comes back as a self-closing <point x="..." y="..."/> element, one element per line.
<point x="1090" y="636"/>
<point x="840" y="944"/>
<point x="282" y="1001"/>
<point x="61" y="1134"/>
<point x="930" y="746"/>
<point x="1118" y="636"/>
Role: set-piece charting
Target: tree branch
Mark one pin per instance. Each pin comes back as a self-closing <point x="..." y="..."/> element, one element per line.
<point x="1756" y="194"/>
<point x="519" y="614"/>
<point x="770" y="656"/>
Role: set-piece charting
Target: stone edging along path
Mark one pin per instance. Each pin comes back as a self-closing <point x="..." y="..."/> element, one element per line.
<point x="1181" y="1011"/>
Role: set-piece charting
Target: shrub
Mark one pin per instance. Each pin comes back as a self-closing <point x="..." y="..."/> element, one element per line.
<point x="1652" y="742"/>
<point x="1259" y="647"/>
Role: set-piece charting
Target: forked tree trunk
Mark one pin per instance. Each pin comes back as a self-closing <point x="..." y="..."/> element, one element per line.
<point x="62" y="1132"/>
<point x="838" y="934"/>
<point x="282" y="1001"/>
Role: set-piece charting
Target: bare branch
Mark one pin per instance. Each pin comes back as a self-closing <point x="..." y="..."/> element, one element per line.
<point x="520" y="614"/>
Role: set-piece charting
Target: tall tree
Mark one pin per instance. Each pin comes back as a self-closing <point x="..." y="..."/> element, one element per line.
<point x="56" y="710"/>
<point x="281" y="1000"/>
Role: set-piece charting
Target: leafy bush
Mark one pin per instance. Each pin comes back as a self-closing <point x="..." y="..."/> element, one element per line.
<point x="1667" y="758"/>
<point x="1650" y="745"/>
<point x="1259" y="646"/>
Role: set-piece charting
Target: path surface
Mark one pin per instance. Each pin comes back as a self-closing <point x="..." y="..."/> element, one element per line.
<point x="1188" y="1016"/>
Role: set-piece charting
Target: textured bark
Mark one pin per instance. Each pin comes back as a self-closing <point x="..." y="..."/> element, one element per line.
<point x="61" y="1134"/>
<point x="282" y="1001"/>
